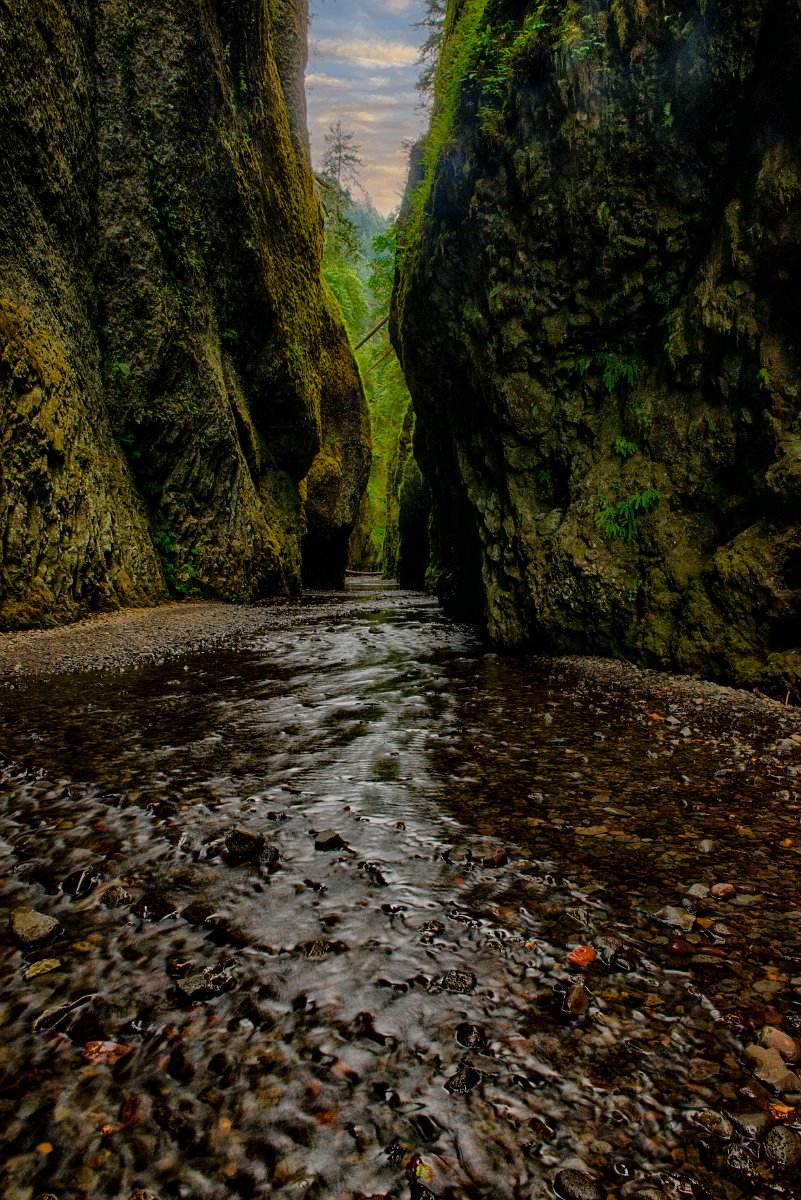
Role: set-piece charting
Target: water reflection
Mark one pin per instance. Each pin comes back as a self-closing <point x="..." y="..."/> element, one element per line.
<point x="396" y="1014"/>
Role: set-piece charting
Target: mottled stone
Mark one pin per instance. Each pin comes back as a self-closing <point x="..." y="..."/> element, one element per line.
<point x="783" y="1148"/>
<point x="242" y="845"/>
<point x="577" y="1185"/>
<point x="32" y="928"/>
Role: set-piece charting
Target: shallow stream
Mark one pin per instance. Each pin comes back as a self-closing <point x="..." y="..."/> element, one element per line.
<point x="374" y="998"/>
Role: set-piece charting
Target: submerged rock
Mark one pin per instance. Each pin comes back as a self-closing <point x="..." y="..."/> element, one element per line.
<point x="769" y="1066"/>
<point x="458" y="982"/>
<point x="328" y="839"/>
<point x="32" y="928"/>
<point x="203" y="985"/>
<point x="242" y="845"/>
<point x="783" y="1148"/>
<point x="577" y="1185"/>
<point x="713" y="1124"/>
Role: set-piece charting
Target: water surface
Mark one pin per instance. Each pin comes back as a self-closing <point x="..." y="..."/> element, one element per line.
<point x="396" y="1016"/>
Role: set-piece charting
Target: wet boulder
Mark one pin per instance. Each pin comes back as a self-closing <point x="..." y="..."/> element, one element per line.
<point x="713" y="1124"/>
<point x="328" y="839"/>
<point x="458" y="983"/>
<point x="752" y="1123"/>
<point x="776" y="1039"/>
<point x="769" y="1066"/>
<point x="577" y="1185"/>
<point x="32" y="928"/>
<point x="204" y="985"/>
<point x="783" y="1148"/>
<point x="242" y="845"/>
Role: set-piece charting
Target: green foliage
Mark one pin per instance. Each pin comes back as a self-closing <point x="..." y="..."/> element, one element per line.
<point x="643" y="418"/>
<point x="348" y="286"/>
<point x="165" y="541"/>
<point x="120" y="370"/>
<point x="621" y="519"/>
<point x="763" y="379"/>
<point x="625" y="449"/>
<point x="340" y="162"/>
<point x="181" y="581"/>
<point x="618" y="370"/>
<point x="637" y="585"/>
<point x="385" y="248"/>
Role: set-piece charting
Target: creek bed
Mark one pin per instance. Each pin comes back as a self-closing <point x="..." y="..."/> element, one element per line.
<point x="351" y="907"/>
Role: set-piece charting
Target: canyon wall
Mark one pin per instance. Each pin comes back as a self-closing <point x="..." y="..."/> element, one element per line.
<point x="171" y="365"/>
<point x="598" y="313"/>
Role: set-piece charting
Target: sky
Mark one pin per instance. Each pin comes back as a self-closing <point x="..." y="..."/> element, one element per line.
<point x="362" y="72"/>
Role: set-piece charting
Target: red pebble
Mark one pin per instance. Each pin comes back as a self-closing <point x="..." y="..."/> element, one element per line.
<point x="582" y="956"/>
<point x="105" y="1052"/>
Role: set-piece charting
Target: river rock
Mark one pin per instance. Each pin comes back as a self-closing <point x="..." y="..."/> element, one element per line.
<point x="723" y="891"/>
<point x="203" y="985"/>
<point x="769" y="1066"/>
<point x="642" y="1191"/>
<point x="82" y="882"/>
<point x="328" y="839"/>
<point x="144" y="1194"/>
<point x="43" y="967"/>
<point x="752" y="1123"/>
<point x="777" y="1039"/>
<point x="242" y="845"/>
<point x="459" y="983"/>
<point x="677" y="918"/>
<point x="698" y="890"/>
<point x="577" y="1185"/>
<point x="491" y="854"/>
<point x="32" y="928"/>
<point x="713" y="1124"/>
<point x="154" y="906"/>
<point x="783" y="1147"/>
<point x="472" y="1037"/>
<point x="53" y="1018"/>
<point x="115" y="896"/>
<point x="465" y="1079"/>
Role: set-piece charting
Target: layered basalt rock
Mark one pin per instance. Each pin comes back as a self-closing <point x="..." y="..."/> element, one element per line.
<point x="598" y="314"/>
<point x="163" y="325"/>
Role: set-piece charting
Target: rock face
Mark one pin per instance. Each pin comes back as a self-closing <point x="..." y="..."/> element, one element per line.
<point x="170" y="363"/>
<point x="598" y="315"/>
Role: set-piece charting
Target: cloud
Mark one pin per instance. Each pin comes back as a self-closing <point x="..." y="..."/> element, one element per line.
<point x="372" y="53"/>
<point x="363" y="72"/>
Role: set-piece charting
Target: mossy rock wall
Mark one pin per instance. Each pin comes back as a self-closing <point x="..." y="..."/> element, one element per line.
<point x="162" y="317"/>
<point x="598" y="314"/>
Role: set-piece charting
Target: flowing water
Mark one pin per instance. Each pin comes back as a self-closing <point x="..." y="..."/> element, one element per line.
<point x="378" y="1001"/>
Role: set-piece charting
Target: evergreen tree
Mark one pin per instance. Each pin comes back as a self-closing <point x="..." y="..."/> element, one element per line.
<point x="340" y="162"/>
<point x="434" y="23"/>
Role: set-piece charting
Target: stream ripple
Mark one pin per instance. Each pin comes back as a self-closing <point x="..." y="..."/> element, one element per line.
<point x="353" y="907"/>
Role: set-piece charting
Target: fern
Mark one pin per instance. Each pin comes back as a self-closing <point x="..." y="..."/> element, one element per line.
<point x="622" y="519"/>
